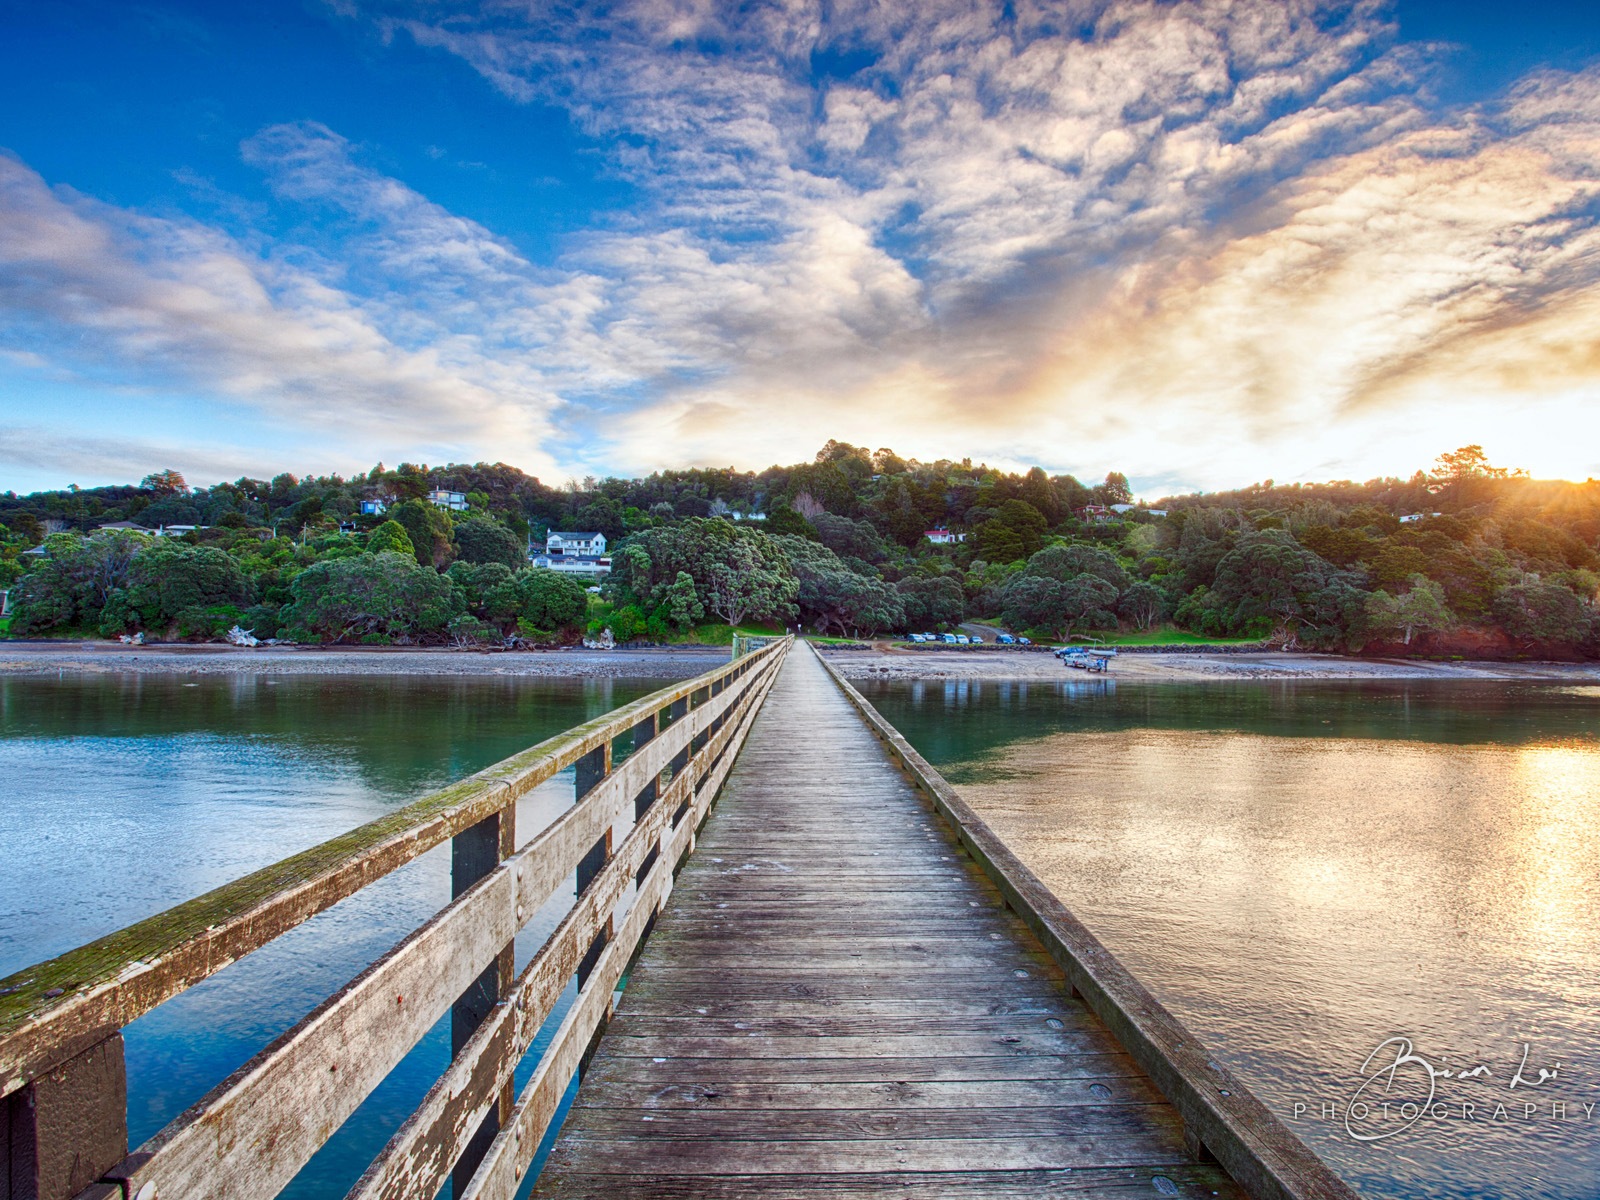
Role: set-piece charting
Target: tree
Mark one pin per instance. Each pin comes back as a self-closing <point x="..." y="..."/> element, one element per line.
<point x="1537" y="610"/>
<point x="1143" y="604"/>
<point x="1068" y="562"/>
<point x="1269" y="577"/>
<point x="428" y="527"/>
<point x="484" y="540"/>
<point x="169" y="578"/>
<point x="549" y="599"/>
<point x="165" y="483"/>
<point x="1015" y="531"/>
<point x="1422" y="609"/>
<point x="1469" y="462"/>
<point x="932" y="603"/>
<point x="1040" y="602"/>
<point x="372" y="597"/>
<point x="390" y="537"/>
<point x="683" y="602"/>
<point x="1116" y="489"/>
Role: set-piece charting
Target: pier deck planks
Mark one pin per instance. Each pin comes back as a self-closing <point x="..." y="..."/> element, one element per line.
<point x="835" y="1002"/>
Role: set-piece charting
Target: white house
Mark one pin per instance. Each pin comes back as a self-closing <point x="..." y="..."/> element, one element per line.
<point x="455" y="501"/>
<point x="575" y="554"/>
<point x="1412" y="518"/>
<point x="373" y="508"/>
<point x="747" y="516"/>
<point x="574" y="543"/>
<point x="943" y="537"/>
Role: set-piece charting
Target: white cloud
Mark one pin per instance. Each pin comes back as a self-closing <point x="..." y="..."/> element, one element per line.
<point x="1221" y="239"/>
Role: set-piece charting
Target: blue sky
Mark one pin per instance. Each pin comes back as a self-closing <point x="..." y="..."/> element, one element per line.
<point x="1204" y="243"/>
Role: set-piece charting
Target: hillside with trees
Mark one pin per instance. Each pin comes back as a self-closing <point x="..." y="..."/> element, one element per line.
<point x="1466" y="558"/>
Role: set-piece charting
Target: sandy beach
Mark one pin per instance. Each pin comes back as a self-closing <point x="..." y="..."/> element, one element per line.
<point x="884" y="662"/>
<point x="881" y="662"/>
<point x="50" y="658"/>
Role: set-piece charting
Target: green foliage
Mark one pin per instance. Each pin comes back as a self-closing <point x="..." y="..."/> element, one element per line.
<point x="549" y="599"/>
<point x="932" y="603"/>
<point x="682" y="602"/>
<point x="388" y="594"/>
<point x="483" y="540"/>
<point x="739" y="574"/>
<point x="390" y="538"/>
<point x="1534" y="610"/>
<point x="170" y="578"/>
<point x="428" y="526"/>
<point x="1421" y="609"/>
<point x="1517" y="561"/>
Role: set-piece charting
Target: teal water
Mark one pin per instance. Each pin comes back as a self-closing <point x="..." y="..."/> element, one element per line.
<point x="127" y="794"/>
<point x="1303" y="871"/>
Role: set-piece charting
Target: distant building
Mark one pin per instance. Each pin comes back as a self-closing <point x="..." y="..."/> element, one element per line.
<point x="1122" y="508"/>
<point x="455" y="501"/>
<point x="1156" y="512"/>
<point x="943" y="537"/>
<point x="1097" y="513"/>
<point x="574" y="543"/>
<point x="177" y="530"/>
<point x="131" y="526"/>
<point x="374" y="508"/>
<point x="575" y="554"/>
<point x="747" y="516"/>
<point x="1410" y="518"/>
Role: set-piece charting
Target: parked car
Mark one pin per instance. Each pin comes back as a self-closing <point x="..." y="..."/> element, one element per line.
<point x="949" y="639"/>
<point x="915" y="637"/>
<point x="1005" y="639"/>
<point x="962" y="639"/>
<point x="977" y="639"/>
<point x="1022" y="641"/>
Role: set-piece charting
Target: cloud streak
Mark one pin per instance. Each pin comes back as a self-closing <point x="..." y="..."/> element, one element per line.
<point x="1200" y="242"/>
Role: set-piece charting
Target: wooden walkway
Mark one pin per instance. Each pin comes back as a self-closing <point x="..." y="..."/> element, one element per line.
<point x="835" y="1001"/>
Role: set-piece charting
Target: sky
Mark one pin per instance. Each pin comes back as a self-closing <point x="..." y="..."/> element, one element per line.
<point x="1204" y="243"/>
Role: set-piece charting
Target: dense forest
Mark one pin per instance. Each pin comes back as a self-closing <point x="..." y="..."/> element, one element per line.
<point x="1465" y="558"/>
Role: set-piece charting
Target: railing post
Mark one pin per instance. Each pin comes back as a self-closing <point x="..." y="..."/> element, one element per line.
<point x="591" y="769"/>
<point x="643" y="733"/>
<point x="67" y="1128"/>
<point x="474" y="852"/>
<point x="678" y="710"/>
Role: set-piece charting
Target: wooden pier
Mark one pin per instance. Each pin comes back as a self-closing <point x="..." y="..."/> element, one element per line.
<point x="841" y="983"/>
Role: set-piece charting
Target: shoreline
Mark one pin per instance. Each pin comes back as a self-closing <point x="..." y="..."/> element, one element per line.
<point x="1191" y="666"/>
<point x="21" y="659"/>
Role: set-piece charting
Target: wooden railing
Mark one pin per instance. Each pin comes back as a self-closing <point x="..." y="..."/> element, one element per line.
<point x="1222" y="1120"/>
<point x="63" y="1097"/>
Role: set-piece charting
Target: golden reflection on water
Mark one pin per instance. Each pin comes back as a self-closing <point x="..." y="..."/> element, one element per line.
<point x="1298" y="900"/>
<point x="1558" y="785"/>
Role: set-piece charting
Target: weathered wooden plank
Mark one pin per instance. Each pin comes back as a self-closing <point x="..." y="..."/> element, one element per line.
<point x="1254" y="1146"/>
<point x="1121" y="1083"/>
<point x="54" y="1010"/>
<point x="921" y="1069"/>
<point x="501" y="1171"/>
<point x="725" y="1157"/>
<point x="881" y="1045"/>
<point x="965" y="1122"/>
<point x="419" y="1156"/>
<point x="1185" y="1181"/>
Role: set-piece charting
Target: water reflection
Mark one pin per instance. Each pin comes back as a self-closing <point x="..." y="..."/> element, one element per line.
<point x="1303" y="870"/>
<point x="127" y="794"/>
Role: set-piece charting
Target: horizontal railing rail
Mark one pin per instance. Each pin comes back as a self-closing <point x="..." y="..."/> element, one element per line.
<point x="60" y="1045"/>
<point x="1222" y="1119"/>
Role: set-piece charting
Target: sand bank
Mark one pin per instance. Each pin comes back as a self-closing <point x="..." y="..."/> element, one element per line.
<point x="50" y="658"/>
<point x="885" y="663"/>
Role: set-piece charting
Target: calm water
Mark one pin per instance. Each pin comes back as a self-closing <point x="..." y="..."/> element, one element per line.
<point x="127" y="794"/>
<point x="1302" y="871"/>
